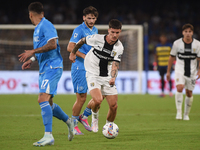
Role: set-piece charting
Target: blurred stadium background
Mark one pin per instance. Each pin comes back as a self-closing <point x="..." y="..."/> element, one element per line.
<point x="161" y="16"/>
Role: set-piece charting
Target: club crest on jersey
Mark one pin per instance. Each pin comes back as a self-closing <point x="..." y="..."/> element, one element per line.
<point x="113" y="53"/>
<point x="92" y="84"/>
<point x="177" y="79"/>
<point x="194" y="49"/>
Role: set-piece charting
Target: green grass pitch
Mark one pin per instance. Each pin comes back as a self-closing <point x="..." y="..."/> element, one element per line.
<point x="146" y="122"/>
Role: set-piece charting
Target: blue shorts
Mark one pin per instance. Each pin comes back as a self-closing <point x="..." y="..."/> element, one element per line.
<point x="48" y="81"/>
<point x="79" y="81"/>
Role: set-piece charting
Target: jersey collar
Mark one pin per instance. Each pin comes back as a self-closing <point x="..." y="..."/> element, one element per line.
<point x="40" y="21"/>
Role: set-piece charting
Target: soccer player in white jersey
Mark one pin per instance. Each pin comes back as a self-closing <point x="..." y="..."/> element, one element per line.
<point x="186" y="51"/>
<point x="47" y="53"/>
<point x="102" y="64"/>
<point x="90" y="15"/>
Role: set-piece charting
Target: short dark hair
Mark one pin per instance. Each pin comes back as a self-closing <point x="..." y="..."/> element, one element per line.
<point x="115" y="24"/>
<point x="188" y="25"/>
<point x="90" y="10"/>
<point x="36" y="7"/>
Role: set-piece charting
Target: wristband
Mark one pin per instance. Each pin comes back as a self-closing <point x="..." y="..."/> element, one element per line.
<point x="32" y="59"/>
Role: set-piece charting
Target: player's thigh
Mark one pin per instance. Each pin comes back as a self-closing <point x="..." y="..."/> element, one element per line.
<point x="190" y="83"/>
<point x="79" y="81"/>
<point x="48" y="81"/>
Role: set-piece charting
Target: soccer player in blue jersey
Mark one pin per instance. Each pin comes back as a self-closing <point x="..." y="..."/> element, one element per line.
<point x="90" y="15"/>
<point x="162" y="53"/>
<point x="47" y="52"/>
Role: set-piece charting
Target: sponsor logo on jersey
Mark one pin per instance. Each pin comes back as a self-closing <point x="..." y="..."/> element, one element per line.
<point x="101" y="56"/>
<point x="182" y="56"/>
<point x="36" y="39"/>
<point x="106" y="51"/>
<point x="120" y="56"/>
<point x="187" y="50"/>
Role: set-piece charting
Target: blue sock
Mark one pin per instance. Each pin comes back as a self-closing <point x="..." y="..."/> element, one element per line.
<point x="59" y="113"/>
<point x="87" y="112"/>
<point x="47" y="115"/>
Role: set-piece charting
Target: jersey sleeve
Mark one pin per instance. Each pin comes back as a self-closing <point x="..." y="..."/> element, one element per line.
<point x="173" y="50"/>
<point x="76" y="35"/>
<point x="91" y="39"/>
<point x="49" y="32"/>
<point x="118" y="55"/>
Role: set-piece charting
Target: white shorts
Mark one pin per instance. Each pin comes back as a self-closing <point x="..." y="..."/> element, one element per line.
<point x="101" y="83"/>
<point x="189" y="82"/>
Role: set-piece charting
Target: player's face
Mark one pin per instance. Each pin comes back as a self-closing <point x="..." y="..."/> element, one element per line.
<point x="31" y="17"/>
<point x="187" y="34"/>
<point x="113" y="34"/>
<point x="89" y="20"/>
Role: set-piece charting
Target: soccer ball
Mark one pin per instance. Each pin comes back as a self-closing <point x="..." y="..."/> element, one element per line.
<point x="110" y="130"/>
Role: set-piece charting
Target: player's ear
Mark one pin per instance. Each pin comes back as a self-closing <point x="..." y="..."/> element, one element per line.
<point x="83" y="18"/>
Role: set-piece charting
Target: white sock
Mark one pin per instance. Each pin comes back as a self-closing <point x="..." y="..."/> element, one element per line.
<point x="179" y="101"/>
<point x="188" y="104"/>
<point x="109" y="121"/>
<point x="95" y="115"/>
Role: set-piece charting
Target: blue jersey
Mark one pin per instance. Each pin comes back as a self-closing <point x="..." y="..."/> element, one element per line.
<point x="79" y="32"/>
<point x="44" y="32"/>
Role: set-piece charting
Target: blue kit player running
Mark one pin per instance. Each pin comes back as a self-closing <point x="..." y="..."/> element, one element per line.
<point x="90" y="15"/>
<point x="47" y="53"/>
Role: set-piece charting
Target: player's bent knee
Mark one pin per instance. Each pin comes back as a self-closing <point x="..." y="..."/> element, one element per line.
<point x="114" y="107"/>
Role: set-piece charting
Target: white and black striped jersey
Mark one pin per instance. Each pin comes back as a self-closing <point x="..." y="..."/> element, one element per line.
<point x="186" y="54"/>
<point x="98" y="60"/>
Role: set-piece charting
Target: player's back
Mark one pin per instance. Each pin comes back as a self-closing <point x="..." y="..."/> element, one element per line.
<point x="79" y="32"/>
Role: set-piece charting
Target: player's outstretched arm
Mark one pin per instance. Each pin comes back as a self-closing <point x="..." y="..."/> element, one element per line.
<point x="52" y="44"/>
<point x="198" y="73"/>
<point x="170" y="63"/>
<point x="72" y="55"/>
<point x="114" y="72"/>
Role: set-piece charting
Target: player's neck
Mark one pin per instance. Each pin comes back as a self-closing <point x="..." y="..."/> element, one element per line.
<point x="187" y="41"/>
<point x="109" y="41"/>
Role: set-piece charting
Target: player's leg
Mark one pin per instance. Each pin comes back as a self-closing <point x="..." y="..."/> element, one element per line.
<point x="170" y="86"/>
<point x="112" y="112"/>
<point x="97" y="99"/>
<point x="190" y="84"/>
<point x="61" y="115"/>
<point x="80" y="88"/>
<point x="46" y="113"/>
<point x="162" y="81"/>
<point x="180" y="83"/>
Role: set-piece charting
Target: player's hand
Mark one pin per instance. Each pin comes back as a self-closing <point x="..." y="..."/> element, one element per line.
<point x="72" y="57"/>
<point x="198" y="74"/>
<point x="24" y="56"/>
<point x="155" y="67"/>
<point x="112" y="82"/>
<point x="168" y="76"/>
<point x="26" y="65"/>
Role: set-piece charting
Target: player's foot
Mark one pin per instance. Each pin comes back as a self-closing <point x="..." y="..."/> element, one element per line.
<point x="171" y="94"/>
<point x="162" y="95"/>
<point x="46" y="140"/>
<point x="71" y="129"/>
<point x="186" y="117"/>
<point x="77" y="131"/>
<point x="94" y="125"/>
<point x="179" y="116"/>
<point x="85" y="123"/>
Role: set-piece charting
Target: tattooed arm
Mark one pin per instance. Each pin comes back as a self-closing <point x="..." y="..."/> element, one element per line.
<point x="52" y="44"/>
<point x="198" y="71"/>
<point x="72" y="55"/>
<point x="114" y="72"/>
